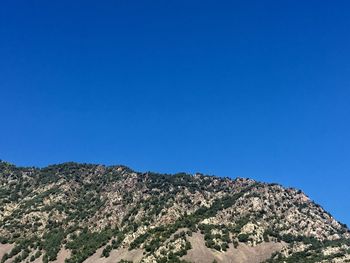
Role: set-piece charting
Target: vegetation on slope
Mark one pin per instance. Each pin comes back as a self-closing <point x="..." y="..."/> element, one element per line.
<point x="84" y="207"/>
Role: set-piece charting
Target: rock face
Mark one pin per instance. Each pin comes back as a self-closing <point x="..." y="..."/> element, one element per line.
<point x="93" y="213"/>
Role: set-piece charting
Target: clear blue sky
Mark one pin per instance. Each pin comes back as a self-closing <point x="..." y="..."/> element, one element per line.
<point x="257" y="89"/>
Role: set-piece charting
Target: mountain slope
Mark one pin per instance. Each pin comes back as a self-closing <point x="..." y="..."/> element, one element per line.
<point x="81" y="212"/>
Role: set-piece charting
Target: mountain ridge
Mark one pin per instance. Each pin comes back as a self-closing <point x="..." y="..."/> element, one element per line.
<point x="82" y="209"/>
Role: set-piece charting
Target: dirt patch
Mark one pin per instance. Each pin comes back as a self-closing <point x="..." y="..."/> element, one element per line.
<point x="242" y="254"/>
<point x="62" y="255"/>
<point x="116" y="255"/>
<point x="5" y="248"/>
<point x="39" y="260"/>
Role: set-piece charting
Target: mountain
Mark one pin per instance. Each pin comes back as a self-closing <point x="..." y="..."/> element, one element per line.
<point x="93" y="213"/>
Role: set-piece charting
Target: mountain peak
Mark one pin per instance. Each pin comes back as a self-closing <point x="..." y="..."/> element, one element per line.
<point x="75" y="212"/>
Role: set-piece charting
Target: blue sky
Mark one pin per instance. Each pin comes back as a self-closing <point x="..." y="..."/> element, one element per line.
<point x="257" y="89"/>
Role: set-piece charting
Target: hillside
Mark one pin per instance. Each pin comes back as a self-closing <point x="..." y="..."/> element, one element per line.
<point x="93" y="213"/>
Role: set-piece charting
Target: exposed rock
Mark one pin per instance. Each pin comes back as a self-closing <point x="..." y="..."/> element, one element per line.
<point x="93" y="213"/>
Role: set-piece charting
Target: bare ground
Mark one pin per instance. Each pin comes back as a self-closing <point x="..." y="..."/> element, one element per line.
<point x="116" y="255"/>
<point x="38" y="260"/>
<point x="62" y="255"/>
<point x="5" y="248"/>
<point x="242" y="254"/>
